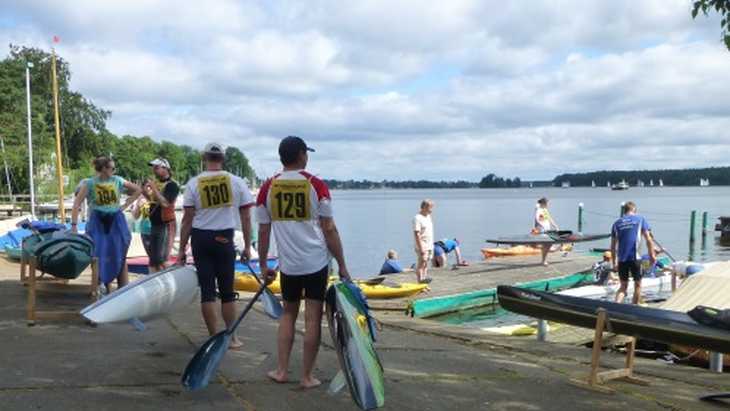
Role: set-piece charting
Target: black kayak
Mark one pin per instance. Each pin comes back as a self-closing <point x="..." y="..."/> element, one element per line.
<point x="655" y="324"/>
<point x="548" y="237"/>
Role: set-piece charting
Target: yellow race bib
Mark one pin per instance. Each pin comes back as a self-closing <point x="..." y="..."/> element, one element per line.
<point x="215" y="191"/>
<point x="290" y="200"/>
<point x="106" y="194"/>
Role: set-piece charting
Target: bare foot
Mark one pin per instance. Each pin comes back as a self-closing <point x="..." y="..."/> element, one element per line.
<point x="235" y="344"/>
<point x="310" y="382"/>
<point x="279" y="377"/>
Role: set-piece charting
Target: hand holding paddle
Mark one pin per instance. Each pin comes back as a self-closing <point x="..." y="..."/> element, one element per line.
<point x="272" y="306"/>
<point x="204" y="364"/>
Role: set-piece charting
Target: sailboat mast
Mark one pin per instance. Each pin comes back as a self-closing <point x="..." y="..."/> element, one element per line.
<point x="59" y="164"/>
<point x="7" y="173"/>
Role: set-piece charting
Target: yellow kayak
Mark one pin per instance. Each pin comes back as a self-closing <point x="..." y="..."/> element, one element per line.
<point x="384" y="291"/>
<point x="246" y="282"/>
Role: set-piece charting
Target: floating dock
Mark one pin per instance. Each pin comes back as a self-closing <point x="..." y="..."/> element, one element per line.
<point x="475" y="285"/>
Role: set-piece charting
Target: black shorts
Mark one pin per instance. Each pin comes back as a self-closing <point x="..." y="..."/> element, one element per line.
<point x="157" y="251"/>
<point x="311" y="286"/>
<point x="632" y="267"/>
<point x="215" y="257"/>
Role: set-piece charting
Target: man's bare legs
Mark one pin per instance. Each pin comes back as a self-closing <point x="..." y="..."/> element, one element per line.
<point x="285" y="341"/>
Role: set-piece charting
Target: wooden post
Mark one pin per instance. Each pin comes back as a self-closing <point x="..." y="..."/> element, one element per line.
<point x="597" y="342"/>
<point x="31" y="292"/>
<point x="94" y="279"/>
<point x="23" y="267"/>
<point x="580" y="217"/>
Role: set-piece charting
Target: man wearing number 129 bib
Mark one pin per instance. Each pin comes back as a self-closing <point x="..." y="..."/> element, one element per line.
<point x="212" y="201"/>
<point x="298" y="206"/>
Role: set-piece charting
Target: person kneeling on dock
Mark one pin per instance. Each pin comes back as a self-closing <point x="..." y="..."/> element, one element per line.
<point x="212" y="201"/>
<point x="441" y="250"/>
<point x="626" y="236"/>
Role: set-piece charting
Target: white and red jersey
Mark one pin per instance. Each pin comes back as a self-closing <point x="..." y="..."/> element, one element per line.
<point x="216" y="197"/>
<point x="293" y="202"/>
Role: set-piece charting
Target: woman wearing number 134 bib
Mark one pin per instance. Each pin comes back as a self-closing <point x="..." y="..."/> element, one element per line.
<point x="107" y="225"/>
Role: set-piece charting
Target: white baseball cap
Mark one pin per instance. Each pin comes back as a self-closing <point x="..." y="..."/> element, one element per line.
<point x="213" y="148"/>
<point x="160" y="162"/>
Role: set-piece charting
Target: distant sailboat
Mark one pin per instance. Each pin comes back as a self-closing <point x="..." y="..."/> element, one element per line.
<point x="593" y="183"/>
<point x="661" y="183"/>
<point x="651" y="183"/>
<point x="640" y="183"/>
<point x="608" y="184"/>
<point x="565" y="184"/>
<point x="704" y="182"/>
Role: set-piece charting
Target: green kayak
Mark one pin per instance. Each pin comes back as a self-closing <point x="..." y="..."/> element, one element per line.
<point x="353" y="335"/>
<point x="61" y="254"/>
<point x="13" y="253"/>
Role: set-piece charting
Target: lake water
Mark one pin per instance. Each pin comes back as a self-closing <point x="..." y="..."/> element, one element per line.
<point x="373" y="221"/>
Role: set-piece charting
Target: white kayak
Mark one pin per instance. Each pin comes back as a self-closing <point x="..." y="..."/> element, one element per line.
<point x="154" y="295"/>
<point x="607" y="291"/>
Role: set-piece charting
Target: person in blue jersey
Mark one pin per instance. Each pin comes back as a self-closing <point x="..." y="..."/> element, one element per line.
<point x="107" y="225"/>
<point x="391" y="265"/>
<point x="441" y="250"/>
<point x="626" y="235"/>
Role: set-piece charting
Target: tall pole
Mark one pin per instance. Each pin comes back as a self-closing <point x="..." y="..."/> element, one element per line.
<point x="30" y="141"/>
<point x="59" y="164"/>
<point x="7" y="173"/>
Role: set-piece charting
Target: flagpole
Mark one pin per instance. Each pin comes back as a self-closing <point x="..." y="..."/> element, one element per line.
<point x="30" y="140"/>
<point x="59" y="164"/>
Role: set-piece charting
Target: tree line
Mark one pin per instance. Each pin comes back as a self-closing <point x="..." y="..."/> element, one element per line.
<point x="675" y="177"/>
<point x="84" y="134"/>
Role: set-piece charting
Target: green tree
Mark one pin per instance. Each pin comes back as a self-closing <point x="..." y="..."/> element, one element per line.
<point x="722" y="7"/>
<point x="237" y="163"/>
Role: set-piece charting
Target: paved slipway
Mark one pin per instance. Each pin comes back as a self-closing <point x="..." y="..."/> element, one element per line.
<point x="428" y="366"/>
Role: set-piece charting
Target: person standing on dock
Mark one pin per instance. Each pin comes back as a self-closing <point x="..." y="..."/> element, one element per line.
<point x="162" y="195"/>
<point x="544" y="222"/>
<point x="298" y="206"/>
<point x="423" y="235"/>
<point x="107" y="225"/>
<point x="213" y="200"/>
<point x="626" y="235"/>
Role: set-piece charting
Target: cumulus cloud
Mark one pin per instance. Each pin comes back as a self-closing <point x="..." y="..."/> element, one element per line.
<point x="406" y="89"/>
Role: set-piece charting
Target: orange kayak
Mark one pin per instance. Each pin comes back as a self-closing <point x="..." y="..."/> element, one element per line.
<point x="509" y="251"/>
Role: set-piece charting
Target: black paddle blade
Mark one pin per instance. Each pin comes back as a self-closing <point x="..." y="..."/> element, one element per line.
<point x="205" y="362"/>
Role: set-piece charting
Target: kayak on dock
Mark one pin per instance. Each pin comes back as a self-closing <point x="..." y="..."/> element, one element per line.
<point x="654" y="324"/>
<point x="62" y="254"/>
<point x="154" y="295"/>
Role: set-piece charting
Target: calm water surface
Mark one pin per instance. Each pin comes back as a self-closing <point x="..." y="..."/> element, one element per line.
<point x="372" y="221"/>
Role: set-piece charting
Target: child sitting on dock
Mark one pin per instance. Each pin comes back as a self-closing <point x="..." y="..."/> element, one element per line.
<point x="391" y="264"/>
<point x="603" y="271"/>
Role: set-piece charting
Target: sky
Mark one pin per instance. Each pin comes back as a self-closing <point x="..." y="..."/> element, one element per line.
<point x="407" y="89"/>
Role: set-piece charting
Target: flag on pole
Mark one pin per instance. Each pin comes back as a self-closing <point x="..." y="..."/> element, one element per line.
<point x="56" y="39"/>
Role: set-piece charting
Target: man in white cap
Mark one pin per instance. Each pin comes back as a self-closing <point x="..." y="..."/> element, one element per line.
<point x="161" y="194"/>
<point x="213" y="200"/>
<point x="298" y="206"/>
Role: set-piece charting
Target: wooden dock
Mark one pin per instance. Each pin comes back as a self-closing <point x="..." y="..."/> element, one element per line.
<point x="485" y="275"/>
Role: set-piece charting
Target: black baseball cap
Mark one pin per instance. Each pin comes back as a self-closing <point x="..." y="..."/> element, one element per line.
<point x="290" y="147"/>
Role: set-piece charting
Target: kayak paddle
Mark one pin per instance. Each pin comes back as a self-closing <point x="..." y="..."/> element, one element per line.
<point x="272" y="306"/>
<point x="664" y="249"/>
<point x="204" y="364"/>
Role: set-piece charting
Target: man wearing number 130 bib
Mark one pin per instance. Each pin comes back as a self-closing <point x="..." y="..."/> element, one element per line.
<point x="297" y="205"/>
<point x="213" y="200"/>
